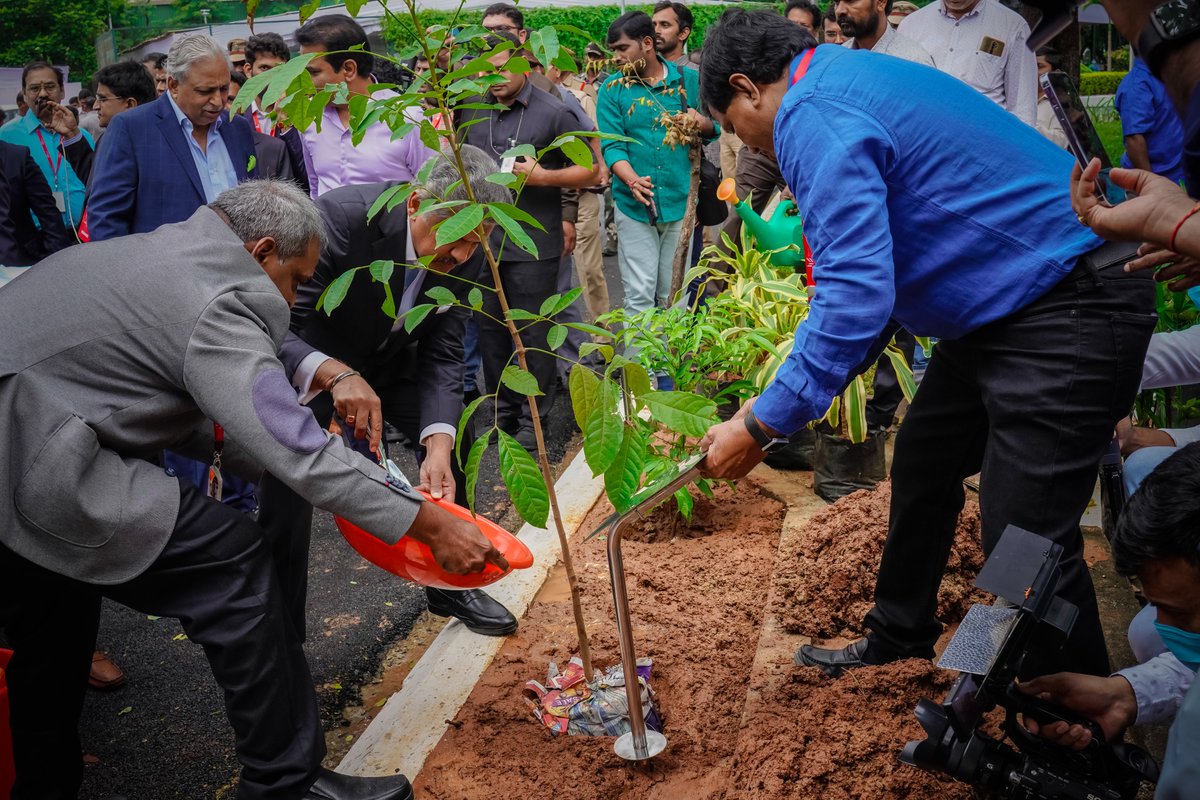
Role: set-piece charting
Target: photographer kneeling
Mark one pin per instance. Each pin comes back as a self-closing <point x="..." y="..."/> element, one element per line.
<point x="1158" y="540"/>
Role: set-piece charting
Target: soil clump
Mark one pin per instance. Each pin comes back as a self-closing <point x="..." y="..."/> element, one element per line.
<point x="826" y="585"/>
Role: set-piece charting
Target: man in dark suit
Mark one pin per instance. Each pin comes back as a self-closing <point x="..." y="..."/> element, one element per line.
<point x="271" y="157"/>
<point x="414" y="379"/>
<point x="24" y="194"/>
<point x="162" y="161"/>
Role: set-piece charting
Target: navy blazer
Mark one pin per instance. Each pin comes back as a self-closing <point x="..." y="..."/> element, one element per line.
<point x="144" y="175"/>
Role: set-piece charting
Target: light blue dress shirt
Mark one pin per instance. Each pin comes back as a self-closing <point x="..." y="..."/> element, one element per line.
<point x="215" y="167"/>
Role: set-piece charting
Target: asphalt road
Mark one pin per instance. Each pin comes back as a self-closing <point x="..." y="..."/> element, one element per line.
<point x="164" y="735"/>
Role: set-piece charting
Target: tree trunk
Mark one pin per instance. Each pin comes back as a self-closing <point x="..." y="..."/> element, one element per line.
<point x="686" y="228"/>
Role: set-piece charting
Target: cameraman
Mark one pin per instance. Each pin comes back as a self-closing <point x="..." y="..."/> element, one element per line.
<point x="1158" y="540"/>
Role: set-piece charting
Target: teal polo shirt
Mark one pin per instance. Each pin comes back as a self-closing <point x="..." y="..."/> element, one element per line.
<point x="632" y="110"/>
<point x="57" y="170"/>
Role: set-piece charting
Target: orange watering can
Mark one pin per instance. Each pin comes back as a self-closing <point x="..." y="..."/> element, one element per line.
<point x="414" y="560"/>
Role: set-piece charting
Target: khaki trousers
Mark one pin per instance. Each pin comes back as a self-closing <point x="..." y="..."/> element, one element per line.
<point x="589" y="258"/>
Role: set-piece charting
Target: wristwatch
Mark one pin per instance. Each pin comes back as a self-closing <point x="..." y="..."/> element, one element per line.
<point x="769" y="444"/>
<point x="1169" y="23"/>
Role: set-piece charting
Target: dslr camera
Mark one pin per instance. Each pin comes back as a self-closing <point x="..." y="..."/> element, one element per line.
<point x="992" y="647"/>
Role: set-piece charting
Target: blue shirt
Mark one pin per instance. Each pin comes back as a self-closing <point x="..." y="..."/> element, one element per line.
<point x="215" y="167"/>
<point x="930" y="205"/>
<point x="50" y="159"/>
<point x="1146" y="110"/>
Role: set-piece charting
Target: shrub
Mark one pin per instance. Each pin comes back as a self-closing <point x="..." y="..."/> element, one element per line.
<point x="1092" y="83"/>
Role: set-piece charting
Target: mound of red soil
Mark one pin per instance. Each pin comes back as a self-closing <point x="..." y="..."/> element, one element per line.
<point x="840" y="739"/>
<point x="697" y="606"/>
<point x="826" y="585"/>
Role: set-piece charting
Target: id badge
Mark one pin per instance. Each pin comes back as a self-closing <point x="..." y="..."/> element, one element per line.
<point x="215" y="482"/>
<point x="60" y="201"/>
<point x="993" y="47"/>
<point x="506" y="165"/>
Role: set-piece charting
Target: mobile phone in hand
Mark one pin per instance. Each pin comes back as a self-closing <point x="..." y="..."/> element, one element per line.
<point x="652" y="212"/>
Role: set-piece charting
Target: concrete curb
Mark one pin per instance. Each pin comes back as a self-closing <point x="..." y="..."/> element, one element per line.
<point x="412" y="722"/>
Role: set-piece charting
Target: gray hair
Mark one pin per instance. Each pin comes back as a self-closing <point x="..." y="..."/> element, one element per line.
<point x="190" y="49"/>
<point x="257" y="209"/>
<point x="445" y="182"/>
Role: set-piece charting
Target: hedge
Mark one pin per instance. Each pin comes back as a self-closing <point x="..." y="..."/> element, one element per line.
<point x="1100" y="82"/>
<point x="592" y="19"/>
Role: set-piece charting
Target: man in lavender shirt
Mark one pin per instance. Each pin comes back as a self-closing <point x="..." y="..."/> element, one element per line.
<point x="331" y="157"/>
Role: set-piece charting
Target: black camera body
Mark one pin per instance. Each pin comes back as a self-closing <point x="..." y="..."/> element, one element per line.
<point x="995" y="645"/>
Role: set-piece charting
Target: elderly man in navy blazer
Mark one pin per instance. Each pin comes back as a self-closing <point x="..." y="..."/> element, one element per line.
<point x="162" y="161"/>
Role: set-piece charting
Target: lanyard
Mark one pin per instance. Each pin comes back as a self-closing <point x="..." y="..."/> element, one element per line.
<point x="802" y="67"/>
<point x="254" y="117"/>
<point x="54" y="165"/>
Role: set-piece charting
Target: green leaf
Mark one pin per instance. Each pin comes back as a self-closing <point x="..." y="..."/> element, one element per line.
<point x="520" y="381"/>
<point x="397" y="193"/>
<point x="459" y="225"/>
<point x="854" y="409"/>
<point x="521" y="150"/>
<point x="505" y="179"/>
<point x="602" y="429"/>
<point x="557" y="303"/>
<point x="594" y="330"/>
<point x="335" y="292"/>
<point x="475" y="298"/>
<point x="624" y="473"/>
<point x="683" y="412"/>
<point x="587" y="348"/>
<point x="389" y="301"/>
<point x="556" y="336"/>
<point x="429" y="136"/>
<point x="463" y="419"/>
<point x="441" y="295"/>
<point x="308" y="9"/>
<point x="471" y="470"/>
<point x="578" y="152"/>
<point x="516" y="64"/>
<point x="584" y="387"/>
<point x="637" y="379"/>
<point x="250" y="162"/>
<point x="521" y="315"/>
<point x="904" y="374"/>
<point x="415" y="315"/>
<point x="683" y="499"/>
<point x="524" y="481"/>
<point x="512" y="228"/>
<point x="382" y="270"/>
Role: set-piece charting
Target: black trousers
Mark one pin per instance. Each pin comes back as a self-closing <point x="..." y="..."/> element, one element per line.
<point x="526" y="284"/>
<point x="881" y="408"/>
<point x="216" y="576"/>
<point x="1031" y="400"/>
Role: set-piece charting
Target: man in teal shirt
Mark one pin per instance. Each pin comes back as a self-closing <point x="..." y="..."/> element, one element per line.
<point x="45" y="130"/>
<point x="653" y="178"/>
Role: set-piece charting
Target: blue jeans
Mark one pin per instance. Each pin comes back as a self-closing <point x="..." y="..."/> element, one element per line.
<point x="1141" y="463"/>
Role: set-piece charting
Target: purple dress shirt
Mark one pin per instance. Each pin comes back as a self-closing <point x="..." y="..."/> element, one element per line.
<point x="333" y="160"/>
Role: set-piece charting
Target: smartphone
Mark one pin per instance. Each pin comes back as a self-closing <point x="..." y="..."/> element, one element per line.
<point x="1082" y="139"/>
<point x="652" y="212"/>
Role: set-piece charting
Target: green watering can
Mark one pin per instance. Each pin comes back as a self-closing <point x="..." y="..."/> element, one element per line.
<point x="783" y="230"/>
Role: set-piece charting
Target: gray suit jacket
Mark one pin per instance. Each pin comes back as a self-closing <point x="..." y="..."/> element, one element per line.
<point x="116" y="350"/>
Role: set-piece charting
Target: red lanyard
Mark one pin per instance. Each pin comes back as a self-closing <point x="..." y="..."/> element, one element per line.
<point x="802" y="67"/>
<point x="54" y="165"/>
<point x="254" y="116"/>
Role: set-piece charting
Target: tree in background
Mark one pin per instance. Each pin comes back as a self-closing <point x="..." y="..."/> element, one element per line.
<point x="58" y="31"/>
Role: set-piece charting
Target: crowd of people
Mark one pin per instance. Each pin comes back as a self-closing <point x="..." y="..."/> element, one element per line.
<point x="171" y="384"/>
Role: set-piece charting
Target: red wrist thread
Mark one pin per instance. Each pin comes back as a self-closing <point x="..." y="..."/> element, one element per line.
<point x="1175" y="233"/>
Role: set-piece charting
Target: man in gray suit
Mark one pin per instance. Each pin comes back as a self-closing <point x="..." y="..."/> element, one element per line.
<point x="114" y="352"/>
<point x="413" y="379"/>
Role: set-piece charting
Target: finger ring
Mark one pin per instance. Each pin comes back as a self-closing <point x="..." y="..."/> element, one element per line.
<point x="350" y="418"/>
<point x="1082" y="220"/>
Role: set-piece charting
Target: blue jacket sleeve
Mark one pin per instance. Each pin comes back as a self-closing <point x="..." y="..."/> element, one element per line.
<point x="843" y="200"/>
<point x="114" y="184"/>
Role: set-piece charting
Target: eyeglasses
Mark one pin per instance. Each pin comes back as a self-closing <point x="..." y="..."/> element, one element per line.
<point x="40" y="88"/>
<point x="103" y="98"/>
<point x="505" y="28"/>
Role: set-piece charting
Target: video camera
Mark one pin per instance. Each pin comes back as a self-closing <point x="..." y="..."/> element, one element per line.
<point x="991" y="648"/>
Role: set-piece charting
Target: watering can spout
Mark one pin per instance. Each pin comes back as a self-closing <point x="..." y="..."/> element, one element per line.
<point x="783" y="230"/>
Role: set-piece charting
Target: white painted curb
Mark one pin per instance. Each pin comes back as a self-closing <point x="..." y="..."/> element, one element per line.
<point x="412" y="722"/>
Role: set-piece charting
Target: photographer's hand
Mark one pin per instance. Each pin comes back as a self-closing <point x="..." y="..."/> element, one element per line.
<point x="1109" y="702"/>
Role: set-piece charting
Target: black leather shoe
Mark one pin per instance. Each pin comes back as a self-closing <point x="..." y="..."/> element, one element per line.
<point x="332" y="785"/>
<point x="833" y="663"/>
<point x="477" y="610"/>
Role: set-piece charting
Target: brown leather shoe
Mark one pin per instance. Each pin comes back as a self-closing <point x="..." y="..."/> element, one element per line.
<point x="105" y="675"/>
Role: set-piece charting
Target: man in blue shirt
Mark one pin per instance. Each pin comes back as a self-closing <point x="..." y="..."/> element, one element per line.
<point x="1150" y="124"/>
<point x="951" y="217"/>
